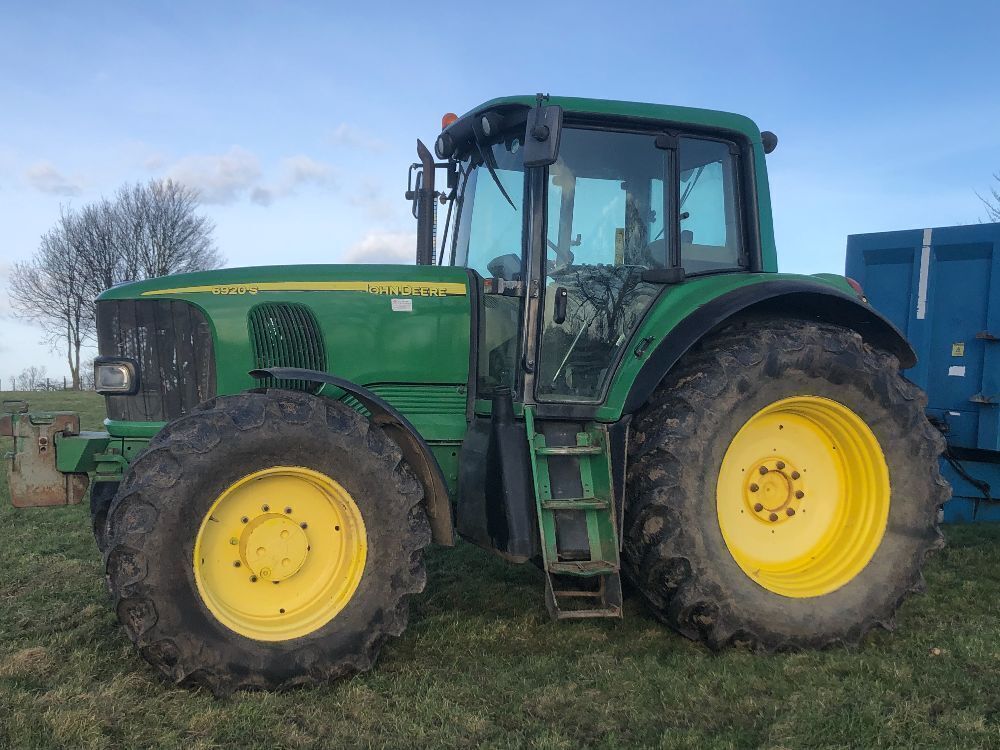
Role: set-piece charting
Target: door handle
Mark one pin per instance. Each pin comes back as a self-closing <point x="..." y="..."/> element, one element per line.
<point x="559" y="307"/>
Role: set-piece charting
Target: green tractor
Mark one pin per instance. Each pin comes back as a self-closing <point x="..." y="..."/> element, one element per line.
<point x="594" y="367"/>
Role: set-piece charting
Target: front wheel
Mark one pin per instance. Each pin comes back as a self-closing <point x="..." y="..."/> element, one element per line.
<point x="266" y="540"/>
<point x="784" y="488"/>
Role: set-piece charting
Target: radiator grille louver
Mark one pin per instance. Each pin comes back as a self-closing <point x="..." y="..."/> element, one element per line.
<point x="286" y="335"/>
<point x="171" y="342"/>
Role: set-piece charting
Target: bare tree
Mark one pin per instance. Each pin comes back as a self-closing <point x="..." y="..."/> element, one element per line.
<point x="31" y="379"/>
<point x="51" y="290"/>
<point x="147" y="230"/>
<point x="87" y="376"/>
<point x="992" y="202"/>
<point x="160" y="232"/>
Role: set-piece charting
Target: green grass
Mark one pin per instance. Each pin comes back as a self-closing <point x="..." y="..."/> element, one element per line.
<point x="481" y="664"/>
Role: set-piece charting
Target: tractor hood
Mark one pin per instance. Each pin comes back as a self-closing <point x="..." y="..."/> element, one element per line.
<point x="254" y="280"/>
<point x="381" y="326"/>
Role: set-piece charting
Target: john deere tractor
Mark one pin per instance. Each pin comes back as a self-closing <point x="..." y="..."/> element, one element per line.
<point x="594" y="367"/>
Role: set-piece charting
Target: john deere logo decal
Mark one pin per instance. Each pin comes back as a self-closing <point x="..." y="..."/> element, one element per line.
<point x="405" y="289"/>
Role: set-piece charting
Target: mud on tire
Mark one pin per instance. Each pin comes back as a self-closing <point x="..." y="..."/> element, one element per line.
<point x="674" y="551"/>
<point x="102" y="494"/>
<point x="155" y="518"/>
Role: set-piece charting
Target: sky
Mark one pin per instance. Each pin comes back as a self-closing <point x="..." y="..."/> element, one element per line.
<point x="297" y="121"/>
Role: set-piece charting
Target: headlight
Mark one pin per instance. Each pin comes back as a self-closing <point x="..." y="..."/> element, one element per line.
<point x="114" y="375"/>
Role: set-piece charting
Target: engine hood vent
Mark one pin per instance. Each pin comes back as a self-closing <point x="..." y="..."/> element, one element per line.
<point x="286" y="335"/>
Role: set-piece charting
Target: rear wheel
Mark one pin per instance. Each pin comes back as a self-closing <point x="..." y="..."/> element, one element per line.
<point x="266" y="540"/>
<point x="101" y="496"/>
<point x="783" y="489"/>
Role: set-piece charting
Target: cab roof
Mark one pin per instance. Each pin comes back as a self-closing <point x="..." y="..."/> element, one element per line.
<point x="704" y="118"/>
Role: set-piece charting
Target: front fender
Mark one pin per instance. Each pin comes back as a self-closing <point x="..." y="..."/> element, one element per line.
<point x="413" y="447"/>
<point x="796" y="298"/>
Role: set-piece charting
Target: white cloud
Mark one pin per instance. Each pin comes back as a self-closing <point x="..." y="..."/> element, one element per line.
<point x="383" y="247"/>
<point x="368" y="196"/>
<point x="302" y="169"/>
<point x="262" y="196"/>
<point x="220" y="178"/>
<point x="45" y="177"/>
<point x="353" y="136"/>
<point x="295" y="171"/>
<point x="153" y="162"/>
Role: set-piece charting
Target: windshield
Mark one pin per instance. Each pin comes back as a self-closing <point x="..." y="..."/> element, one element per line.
<point x="488" y="235"/>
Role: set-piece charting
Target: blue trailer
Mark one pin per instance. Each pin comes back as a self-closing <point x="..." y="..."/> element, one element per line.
<point x="941" y="287"/>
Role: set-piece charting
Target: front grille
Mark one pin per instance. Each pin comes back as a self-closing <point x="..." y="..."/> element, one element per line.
<point x="172" y="342"/>
<point x="286" y="335"/>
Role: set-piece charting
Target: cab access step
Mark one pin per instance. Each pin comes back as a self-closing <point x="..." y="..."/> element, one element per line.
<point x="573" y="482"/>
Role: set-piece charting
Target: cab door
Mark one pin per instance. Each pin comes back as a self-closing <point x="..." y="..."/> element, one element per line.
<point x="622" y="206"/>
<point x="606" y="209"/>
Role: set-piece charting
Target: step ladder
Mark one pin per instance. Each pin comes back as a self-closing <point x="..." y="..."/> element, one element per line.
<point x="580" y="581"/>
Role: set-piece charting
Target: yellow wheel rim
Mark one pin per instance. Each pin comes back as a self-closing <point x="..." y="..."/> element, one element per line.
<point x="803" y="496"/>
<point x="280" y="553"/>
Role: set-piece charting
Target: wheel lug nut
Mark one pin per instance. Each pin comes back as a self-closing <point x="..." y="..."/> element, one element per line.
<point x="304" y="525"/>
<point x="253" y="579"/>
<point x="234" y="540"/>
<point x="789" y="512"/>
<point x="795" y="475"/>
<point x="799" y="494"/>
<point x="265" y="508"/>
<point x="288" y="511"/>
<point x="763" y="470"/>
<point x="758" y="507"/>
<point x="236" y="563"/>
<point x="754" y="487"/>
<point x="244" y="520"/>
<point x="773" y="516"/>
<point x="780" y="465"/>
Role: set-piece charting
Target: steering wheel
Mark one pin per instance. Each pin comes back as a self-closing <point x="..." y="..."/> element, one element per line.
<point x="557" y="272"/>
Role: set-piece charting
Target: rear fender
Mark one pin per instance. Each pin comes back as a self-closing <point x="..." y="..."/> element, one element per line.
<point x="802" y="299"/>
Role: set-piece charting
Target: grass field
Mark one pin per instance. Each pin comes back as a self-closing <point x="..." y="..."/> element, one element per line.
<point x="481" y="664"/>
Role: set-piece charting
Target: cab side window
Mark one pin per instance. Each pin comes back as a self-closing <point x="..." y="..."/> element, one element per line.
<point x="711" y="231"/>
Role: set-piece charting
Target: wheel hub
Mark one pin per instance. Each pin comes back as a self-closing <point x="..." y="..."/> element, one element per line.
<point x="773" y="490"/>
<point x="803" y="496"/>
<point x="274" y="547"/>
<point x="286" y="525"/>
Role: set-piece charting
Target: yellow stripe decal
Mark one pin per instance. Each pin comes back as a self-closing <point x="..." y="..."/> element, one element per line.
<point x="390" y="288"/>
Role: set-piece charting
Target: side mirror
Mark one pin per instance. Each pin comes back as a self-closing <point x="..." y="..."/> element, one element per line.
<point x="541" y="135"/>
<point x="414" y="184"/>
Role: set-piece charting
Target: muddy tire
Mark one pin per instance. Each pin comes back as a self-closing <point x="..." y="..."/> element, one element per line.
<point x="101" y="496"/>
<point x="686" y="482"/>
<point x="164" y="512"/>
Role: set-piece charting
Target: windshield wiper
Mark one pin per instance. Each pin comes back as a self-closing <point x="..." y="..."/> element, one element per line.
<point x="489" y="161"/>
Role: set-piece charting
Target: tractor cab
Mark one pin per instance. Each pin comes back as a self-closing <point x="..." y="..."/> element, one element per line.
<point x="573" y="246"/>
